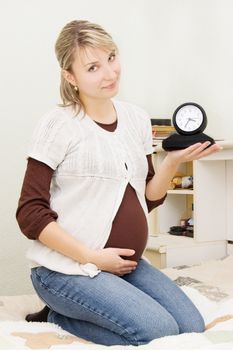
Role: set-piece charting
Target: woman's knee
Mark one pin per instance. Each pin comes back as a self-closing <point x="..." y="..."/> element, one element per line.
<point x="139" y="332"/>
<point x="195" y="324"/>
<point x="153" y="328"/>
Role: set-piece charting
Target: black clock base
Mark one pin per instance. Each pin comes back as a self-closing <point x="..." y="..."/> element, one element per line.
<point x="177" y="141"/>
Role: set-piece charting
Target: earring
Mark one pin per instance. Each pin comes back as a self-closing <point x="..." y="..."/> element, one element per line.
<point x="76" y="88"/>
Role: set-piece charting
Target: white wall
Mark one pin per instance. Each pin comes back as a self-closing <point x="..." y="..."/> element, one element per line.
<point x="172" y="51"/>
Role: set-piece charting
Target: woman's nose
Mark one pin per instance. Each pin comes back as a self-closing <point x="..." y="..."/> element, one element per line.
<point x="109" y="73"/>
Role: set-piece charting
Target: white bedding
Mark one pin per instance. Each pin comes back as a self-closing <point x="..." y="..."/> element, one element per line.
<point x="214" y="299"/>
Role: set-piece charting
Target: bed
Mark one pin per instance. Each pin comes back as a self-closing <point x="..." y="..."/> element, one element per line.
<point x="209" y="285"/>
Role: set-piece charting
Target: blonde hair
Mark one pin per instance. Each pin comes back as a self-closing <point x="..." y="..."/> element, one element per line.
<point x="79" y="34"/>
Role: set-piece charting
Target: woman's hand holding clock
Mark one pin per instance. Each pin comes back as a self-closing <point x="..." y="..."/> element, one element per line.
<point x="193" y="152"/>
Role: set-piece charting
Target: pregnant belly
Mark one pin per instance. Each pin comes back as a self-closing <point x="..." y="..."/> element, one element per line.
<point x="129" y="227"/>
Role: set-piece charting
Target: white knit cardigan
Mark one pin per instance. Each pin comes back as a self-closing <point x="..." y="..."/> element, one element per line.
<point x="92" y="169"/>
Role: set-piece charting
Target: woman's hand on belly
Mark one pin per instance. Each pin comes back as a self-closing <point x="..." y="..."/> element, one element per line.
<point x="110" y="260"/>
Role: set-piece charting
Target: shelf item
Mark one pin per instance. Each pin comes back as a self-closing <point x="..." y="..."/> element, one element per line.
<point x="161" y="128"/>
<point x="161" y="121"/>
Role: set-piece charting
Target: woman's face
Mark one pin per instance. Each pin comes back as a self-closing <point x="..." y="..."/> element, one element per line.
<point x="96" y="73"/>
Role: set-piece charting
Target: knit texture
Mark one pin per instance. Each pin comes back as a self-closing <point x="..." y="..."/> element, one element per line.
<point x="91" y="166"/>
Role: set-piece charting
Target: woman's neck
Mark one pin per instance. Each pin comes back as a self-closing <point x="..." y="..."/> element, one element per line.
<point x="101" y="111"/>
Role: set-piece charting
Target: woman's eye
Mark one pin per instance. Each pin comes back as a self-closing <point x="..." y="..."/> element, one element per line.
<point x="92" y="69"/>
<point x="112" y="57"/>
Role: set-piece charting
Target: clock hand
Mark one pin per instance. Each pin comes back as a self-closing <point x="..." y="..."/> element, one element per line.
<point x="187" y="122"/>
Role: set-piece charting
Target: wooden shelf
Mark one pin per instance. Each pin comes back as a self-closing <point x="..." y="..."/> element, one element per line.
<point x="164" y="240"/>
<point x="209" y="203"/>
<point x="180" y="191"/>
<point x="167" y="250"/>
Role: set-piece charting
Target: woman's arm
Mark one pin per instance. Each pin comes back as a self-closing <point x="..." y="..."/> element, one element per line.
<point x="38" y="221"/>
<point x="34" y="212"/>
<point x="159" y="184"/>
<point x="151" y="172"/>
<point x="107" y="259"/>
<point x="56" y="238"/>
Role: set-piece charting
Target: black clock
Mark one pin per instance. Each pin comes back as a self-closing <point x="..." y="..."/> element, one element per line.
<point x="189" y="118"/>
<point x="189" y="121"/>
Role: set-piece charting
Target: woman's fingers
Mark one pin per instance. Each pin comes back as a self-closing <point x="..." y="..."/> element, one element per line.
<point x="124" y="251"/>
<point x="199" y="150"/>
<point x="204" y="150"/>
<point x="208" y="151"/>
<point x="198" y="147"/>
<point x="125" y="271"/>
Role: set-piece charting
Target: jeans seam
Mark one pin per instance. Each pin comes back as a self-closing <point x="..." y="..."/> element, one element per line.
<point x="53" y="291"/>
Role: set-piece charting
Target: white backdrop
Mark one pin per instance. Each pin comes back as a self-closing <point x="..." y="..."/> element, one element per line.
<point x="172" y="51"/>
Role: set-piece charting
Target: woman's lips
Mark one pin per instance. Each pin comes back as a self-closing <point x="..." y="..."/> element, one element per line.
<point x="111" y="86"/>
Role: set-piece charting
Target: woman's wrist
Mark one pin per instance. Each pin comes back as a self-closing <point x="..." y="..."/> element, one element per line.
<point x="88" y="256"/>
<point x="94" y="256"/>
<point x="171" y="162"/>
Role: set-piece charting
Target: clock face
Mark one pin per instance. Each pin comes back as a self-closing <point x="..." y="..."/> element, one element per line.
<point x="189" y="118"/>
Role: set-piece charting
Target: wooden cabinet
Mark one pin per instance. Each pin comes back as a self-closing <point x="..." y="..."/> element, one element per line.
<point x="212" y="203"/>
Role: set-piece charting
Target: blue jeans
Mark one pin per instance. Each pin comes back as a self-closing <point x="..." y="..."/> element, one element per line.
<point x="111" y="310"/>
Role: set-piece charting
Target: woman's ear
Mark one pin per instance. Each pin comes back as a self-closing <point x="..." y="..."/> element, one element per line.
<point x="69" y="77"/>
